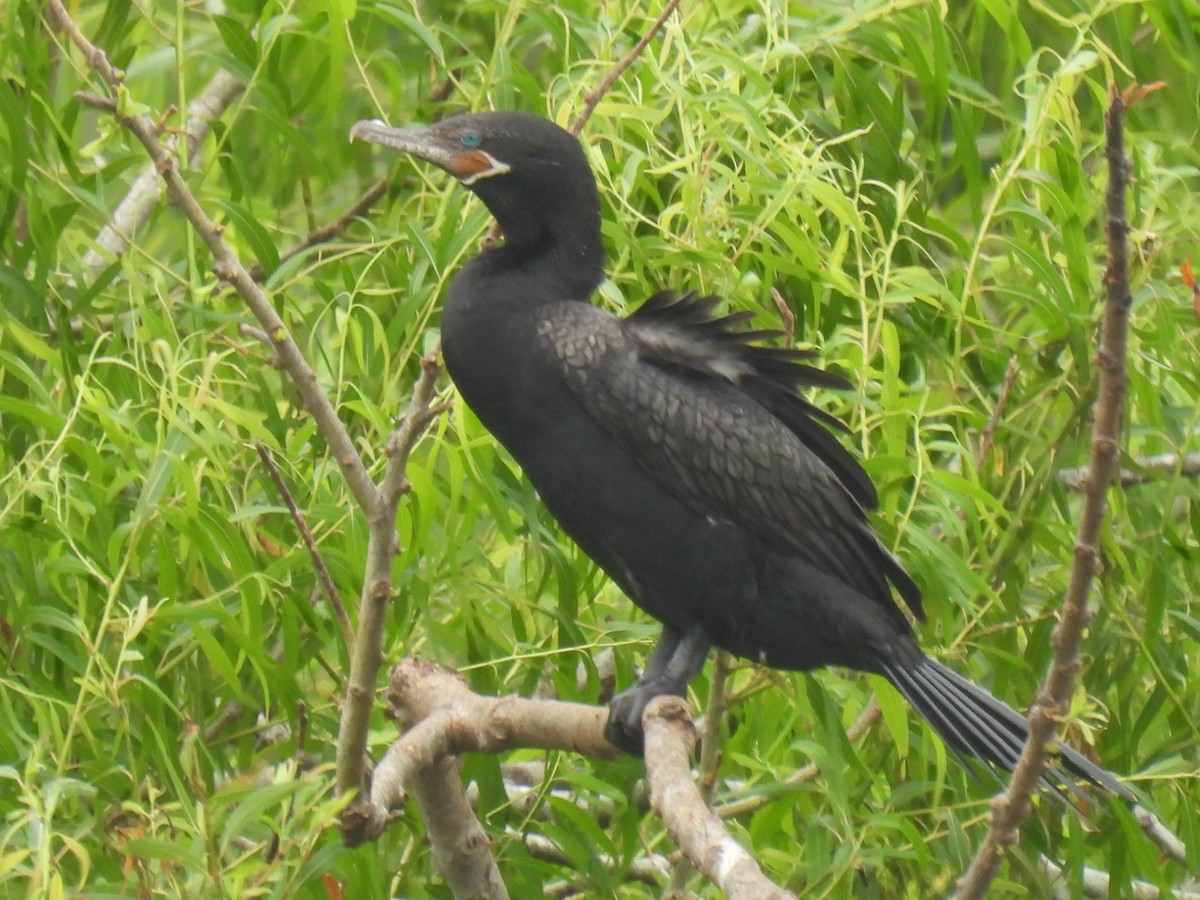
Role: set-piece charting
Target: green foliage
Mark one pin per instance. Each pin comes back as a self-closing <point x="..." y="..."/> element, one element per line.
<point x="922" y="183"/>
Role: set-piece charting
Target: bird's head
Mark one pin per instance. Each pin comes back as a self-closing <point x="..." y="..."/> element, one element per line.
<point x="532" y="174"/>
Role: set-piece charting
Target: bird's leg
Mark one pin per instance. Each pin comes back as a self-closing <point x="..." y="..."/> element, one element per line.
<point x="677" y="659"/>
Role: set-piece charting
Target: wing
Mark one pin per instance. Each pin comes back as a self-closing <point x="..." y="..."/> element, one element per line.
<point x="716" y="419"/>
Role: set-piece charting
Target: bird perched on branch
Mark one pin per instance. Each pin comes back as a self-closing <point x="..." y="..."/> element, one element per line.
<point x="675" y="449"/>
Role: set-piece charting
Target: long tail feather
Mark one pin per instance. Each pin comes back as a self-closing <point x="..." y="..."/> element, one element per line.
<point x="974" y="723"/>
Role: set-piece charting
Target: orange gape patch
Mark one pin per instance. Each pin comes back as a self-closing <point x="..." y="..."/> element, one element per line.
<point x="471" y="163"/>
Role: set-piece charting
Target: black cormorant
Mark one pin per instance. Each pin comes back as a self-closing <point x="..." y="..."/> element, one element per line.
<point x="675" y="450"/>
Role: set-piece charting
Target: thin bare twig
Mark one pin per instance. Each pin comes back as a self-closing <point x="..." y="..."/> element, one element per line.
<point x="134" y="210"/>
<point x="592" y="98"/>
<point x="247" y="330"/>
<point x="323" y="577"/>
<point x="989" y="431"/>
<point x="862" y="723"/>
<point x="327" y="233"/>
<point x="649" y="870"/>
<point x="1011" y="808"/>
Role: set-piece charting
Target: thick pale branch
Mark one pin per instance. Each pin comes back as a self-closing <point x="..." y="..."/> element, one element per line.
<point x="1149" y="468"/>
<point x="1096" y="884"/>
<point x="446" y="718"/>
<point x="461" y="850"/>
<point x="700" y="834"/>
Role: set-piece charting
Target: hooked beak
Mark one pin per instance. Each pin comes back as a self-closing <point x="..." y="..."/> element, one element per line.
<point x="444" y="150"/>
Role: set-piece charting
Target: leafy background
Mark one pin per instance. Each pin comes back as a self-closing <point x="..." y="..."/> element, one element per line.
<point x="922" y="182"/>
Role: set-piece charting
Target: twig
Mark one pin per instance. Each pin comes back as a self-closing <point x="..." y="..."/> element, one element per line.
<point x="989" y="431"/>
<point x="323" y="577"/>
<point x="1149" y="468"/>
<point x="327" y="233"/>
<point x="1011" y="808"/>
<point x="247" y="330"/>
<point x="379" y="512"/>
<point x="592" y="98"/>
<point x="861" y="725"/>
<point x="421" y="412"/>
<point x="700" y="834"/>
<point x="377" y="586"/>
<point x="789" y="318"/>
<point x="134" y="210"/>
<point x="1162" y="836"/>
<point x="93" y="55"/>
<point x="650" y="869"/>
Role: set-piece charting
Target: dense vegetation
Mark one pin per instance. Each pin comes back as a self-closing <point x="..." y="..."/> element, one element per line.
<point x="922" y="185"/>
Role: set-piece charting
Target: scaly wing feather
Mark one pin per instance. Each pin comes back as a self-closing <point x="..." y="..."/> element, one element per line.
<point x="716" y="420"/>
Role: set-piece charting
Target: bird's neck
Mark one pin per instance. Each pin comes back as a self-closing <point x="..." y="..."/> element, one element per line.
<point x="548" y="261"/>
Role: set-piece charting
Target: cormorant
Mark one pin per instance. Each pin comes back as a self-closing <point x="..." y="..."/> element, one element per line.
<point x="673" y="447"/>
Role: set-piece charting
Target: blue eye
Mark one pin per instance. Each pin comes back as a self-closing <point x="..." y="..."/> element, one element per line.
<point x="471" y="138"/>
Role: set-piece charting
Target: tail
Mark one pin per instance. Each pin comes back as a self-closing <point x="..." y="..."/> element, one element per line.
<point x="974" y="723"/>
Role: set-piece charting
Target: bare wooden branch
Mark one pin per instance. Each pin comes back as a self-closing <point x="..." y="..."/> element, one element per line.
<point x="700" y="834"/>
<point x="651" y="869"/>
<point x="247" y="330"/>
<point x="710" y="754"/>
<point x="445" y="717"/>
<point x="1011" y="808"/>
<point x="1096" y="884"/>
<point x="1149" y="468"/>
<point x="326" y="233"/>
<point x="461" y="850"/>
<point x="1162" y="836"/>
<point x="862" y="723"/>
<point x="135" y="208"/>
<point x="989" y="431"/>
<point x="593" y="97"/>
<point x="382" y="548"/>
<point x="323" y="577"/>
<point x="95" y="57"/>
<point x="380" y="510"/>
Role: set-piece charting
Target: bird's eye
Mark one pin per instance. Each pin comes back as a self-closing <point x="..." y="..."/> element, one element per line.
<point x="471" y="138"/>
